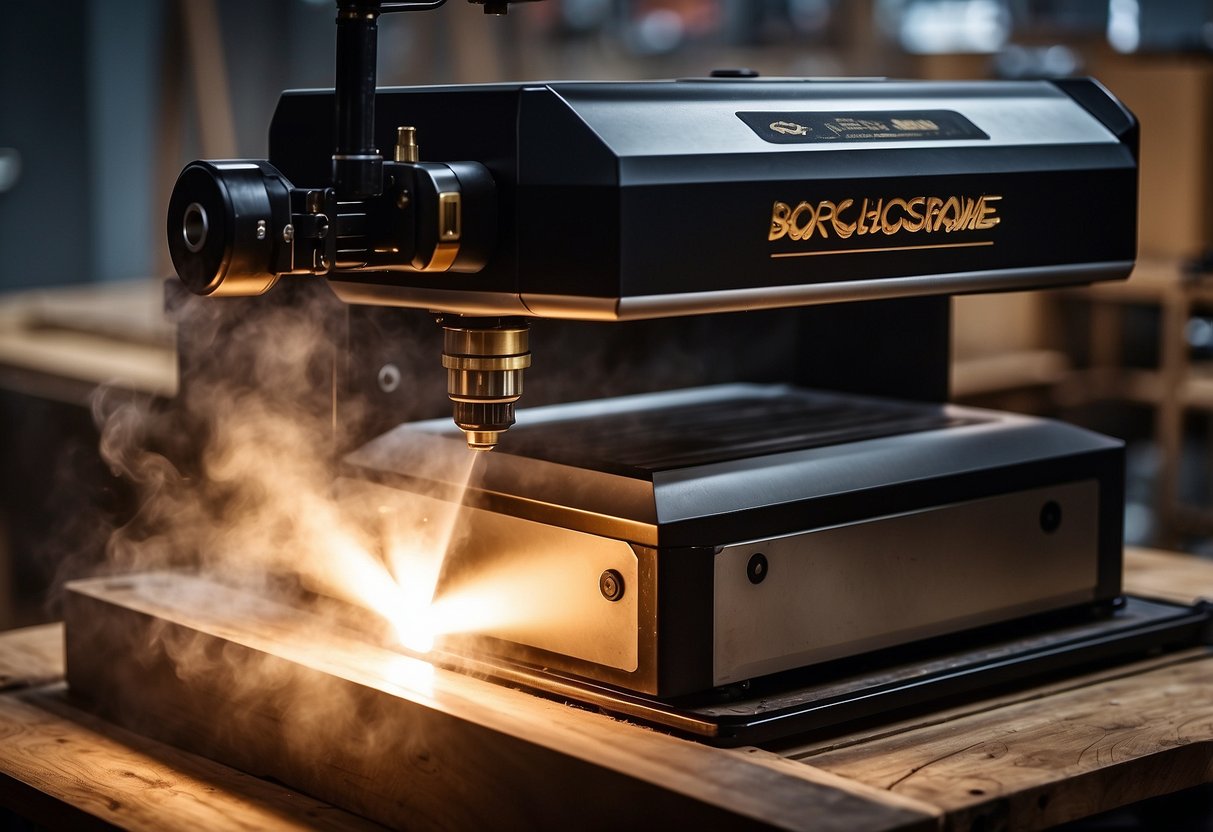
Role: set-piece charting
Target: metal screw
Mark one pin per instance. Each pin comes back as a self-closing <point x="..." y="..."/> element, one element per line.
<point x="261" y="232"/>
<point x="389" y="378"/>
<point x="402" y="199"/>
<point x="610" y="584"/>
<point x="756" y="570"/>
<point x="1050" y="517"/>
<point x="288" y="233"/>
<point x="10" y="168"/>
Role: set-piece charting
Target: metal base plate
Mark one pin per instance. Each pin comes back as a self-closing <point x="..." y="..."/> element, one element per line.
<point x="892" y="683"/>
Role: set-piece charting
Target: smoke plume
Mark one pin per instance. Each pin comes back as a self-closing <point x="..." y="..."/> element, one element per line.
<point x="236" y="478"/>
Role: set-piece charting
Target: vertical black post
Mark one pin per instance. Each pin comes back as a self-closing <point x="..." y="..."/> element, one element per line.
<point x="357" y="164"/>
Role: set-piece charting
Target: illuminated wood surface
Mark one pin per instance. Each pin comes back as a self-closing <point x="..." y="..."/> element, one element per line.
<point x="1046" y="760"/>
<point x="273" y="691"/>
<point x="490" y="756"/>
<point x="31" y="656"/>
<point x="63" y="768"/>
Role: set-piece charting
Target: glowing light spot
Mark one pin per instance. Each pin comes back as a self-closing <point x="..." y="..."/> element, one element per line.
<point x="411" y="674"/>
<point x="416" y="632"/>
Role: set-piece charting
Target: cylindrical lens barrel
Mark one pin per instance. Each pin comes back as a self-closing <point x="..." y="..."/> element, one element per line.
<point x="225" y="221"/>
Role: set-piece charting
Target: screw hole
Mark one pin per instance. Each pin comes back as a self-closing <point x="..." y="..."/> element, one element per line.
<point x="389" y="378"/>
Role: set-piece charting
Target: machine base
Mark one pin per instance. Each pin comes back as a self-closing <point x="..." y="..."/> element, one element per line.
<point x="159" y="639"/>
<point x="891" y="684"/>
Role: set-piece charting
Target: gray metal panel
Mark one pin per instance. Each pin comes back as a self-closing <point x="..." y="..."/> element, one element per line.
<point x="849" y="589"/>
<point x="537" y="585"/>
<point x="520" y="581"/>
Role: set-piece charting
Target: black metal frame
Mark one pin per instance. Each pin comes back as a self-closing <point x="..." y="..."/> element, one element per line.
<point x="892" y="684"/>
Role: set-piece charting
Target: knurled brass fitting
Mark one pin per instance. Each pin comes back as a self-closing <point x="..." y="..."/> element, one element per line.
<point x="484" y="360"/>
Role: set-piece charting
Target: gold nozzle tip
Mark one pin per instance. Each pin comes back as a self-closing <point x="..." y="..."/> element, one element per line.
<point x="482" y="440"/>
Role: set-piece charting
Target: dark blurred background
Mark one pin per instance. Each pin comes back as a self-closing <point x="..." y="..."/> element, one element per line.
<point x="103" y="101"/>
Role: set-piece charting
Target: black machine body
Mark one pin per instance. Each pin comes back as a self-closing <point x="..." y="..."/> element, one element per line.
<point x="657" y="199"/>
<point x="508" y="204"/>
<point x="773" y="236"/>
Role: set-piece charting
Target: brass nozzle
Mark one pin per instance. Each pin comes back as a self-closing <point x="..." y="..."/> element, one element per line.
<point x="484" y="360"/>
<point x="483" y="440"/>
<point x="406" y="145"/>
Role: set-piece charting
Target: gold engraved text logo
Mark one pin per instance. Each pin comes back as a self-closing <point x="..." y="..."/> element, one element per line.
<point x="790" y="128"/>
<point x="890" y="217"/>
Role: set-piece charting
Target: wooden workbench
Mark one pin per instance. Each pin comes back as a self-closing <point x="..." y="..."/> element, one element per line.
<point x="1028" y="760"/>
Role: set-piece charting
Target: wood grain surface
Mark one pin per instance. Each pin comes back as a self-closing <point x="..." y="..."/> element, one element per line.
<point x="1047" y="760"/>
<point x="1167" y="575"/>
<point x="60" y="767"/>
<point x="31" y="656"/>
<point x="1023" y="760"/>
<point x="1057" y="752"/>
<point x="275" y="692"/>
<point x="61" y="343"/>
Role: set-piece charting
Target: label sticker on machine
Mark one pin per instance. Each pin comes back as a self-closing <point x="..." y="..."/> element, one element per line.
<point x="879" y="126"/>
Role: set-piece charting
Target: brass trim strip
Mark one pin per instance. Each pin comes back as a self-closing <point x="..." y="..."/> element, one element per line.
<point x="450" y="217"/>
<point x="879" y="248"/>
<point x="350" y="290"/>
<point x="475" y="363"/>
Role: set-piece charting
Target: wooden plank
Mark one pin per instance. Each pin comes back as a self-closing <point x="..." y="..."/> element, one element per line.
<point x="804" y="750"/>
<point x="31" y="656"/>
<point x="208" y="72"/>
<point x="64" y="342"/>
<point x="61" y="767"/>
<point x="91" y="359"/>
<point x="279" y="692"/>
<point x="26" y="651"/>
<point x="1033" y="764"/>
<point x="130" y="311"/>
<point x="1167" y="575"/>
<point x="795" y="768"/>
